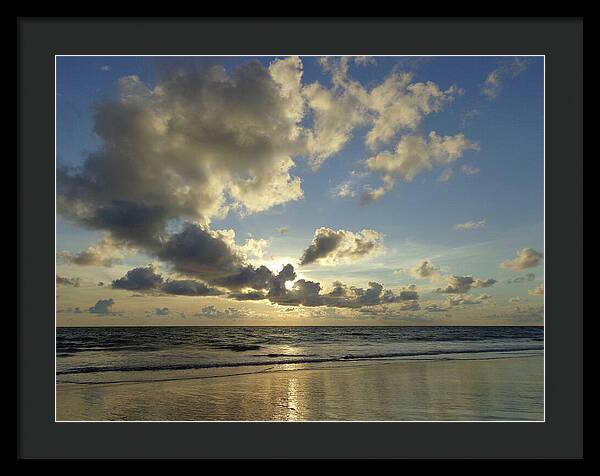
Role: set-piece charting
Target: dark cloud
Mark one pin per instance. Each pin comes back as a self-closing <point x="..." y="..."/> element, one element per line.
<point x="333" y="245"/>
<point x="200" y="252"/>
<point x="65" y="281"/>
<point x="188" y="287"/>
<point x="247" y="277"/>
<point x="308" y="293"/>
<point x="146" y="279"/>
<point x="277" y="285"/>
<point x="139" y="279"/>
<point x="479" y="283"/>
<point x="324" y="243"/>
<point x="248" y="296"/>
<point x="103" y="306"/>
<point x="521" y="279"/>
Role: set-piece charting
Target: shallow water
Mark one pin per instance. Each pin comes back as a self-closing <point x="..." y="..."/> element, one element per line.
<point x="306" y="374"/>
<point x="435" y="390"/>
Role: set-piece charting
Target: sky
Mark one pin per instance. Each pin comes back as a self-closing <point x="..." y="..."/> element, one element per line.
<point x="299" y="190"/>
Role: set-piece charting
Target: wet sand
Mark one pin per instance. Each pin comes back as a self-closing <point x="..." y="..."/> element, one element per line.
<point x="490" y="389"/>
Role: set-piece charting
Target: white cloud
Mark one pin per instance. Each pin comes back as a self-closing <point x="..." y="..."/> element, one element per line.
<point x="469" y="169"/>
<point x="495" y="79"/>
<point x="526" y="258"/>
<point x="446" y="175"/>
<point x="255" y="248"/>
<point x="399" y="104"/>
<point x="198" y="143"/>
<point x="416" y="154"/>
<point x="539" y="291"/>
<point x="470" y="225"/>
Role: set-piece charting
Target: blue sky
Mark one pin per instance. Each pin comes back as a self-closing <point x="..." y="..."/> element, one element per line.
<point x="416" y="218"/>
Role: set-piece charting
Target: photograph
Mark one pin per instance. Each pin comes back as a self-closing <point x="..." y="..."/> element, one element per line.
<point x="309" y="238"/>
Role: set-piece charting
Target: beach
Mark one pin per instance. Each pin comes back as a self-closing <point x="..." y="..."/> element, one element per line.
<point x="490" y="389"/>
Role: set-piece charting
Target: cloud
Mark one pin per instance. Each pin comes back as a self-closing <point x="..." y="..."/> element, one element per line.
<point x="188" y="287"/>
<point x="464" y="300"/>
<point x="348" y="188"/>
<point x="514" y="299"/>
<point x="196" y="144"/>
<point x="308" y="293"/>
<point x="336" y="111"/>
<point x="521" y="279"/>
<point x="463" y="284"/>
<point x="424" y="270"/>
<point x="470" y="225"/>
<point x="331" y="246"/>
<point x="469" y="169"/>
<point x="105" y="252"/>
<point x="372" y="195"/>
<point x="103" y="306"/>
<point x="256" y="248"/>
<point x="539" y="291"/>
<point x="396" y="104"/>
<point x="526" y="258"/>
<point x="468" y="116"/>
<point x="446" y="175"/>
<point x="65" y="281"/>
<point x="139" y="279"/>
<point x="415" y="154"/>
<point x="364" y="60"/>
<point x="495" y="80"/>
<point x="283" y="230"/>
<point x="105" y="67"/>
<point x="214" y="312"/>
<point x="400" y="104"/>
<point x="248" y="296"/>
<point x="146" y="279"/>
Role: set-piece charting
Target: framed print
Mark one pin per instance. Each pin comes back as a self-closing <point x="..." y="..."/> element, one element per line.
<point x="299" y="240"/>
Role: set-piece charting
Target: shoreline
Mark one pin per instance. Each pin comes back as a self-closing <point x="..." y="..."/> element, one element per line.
<point x="495" y="388"/>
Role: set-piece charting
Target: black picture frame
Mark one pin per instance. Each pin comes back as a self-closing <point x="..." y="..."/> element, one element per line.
<point x="560" y="40"/>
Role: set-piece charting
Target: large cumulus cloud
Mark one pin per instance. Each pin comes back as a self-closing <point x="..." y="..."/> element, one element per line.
<point x="199" y="142"/>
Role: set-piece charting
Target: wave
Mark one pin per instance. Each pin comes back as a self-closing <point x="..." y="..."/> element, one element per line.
<point x="345" y="358"/>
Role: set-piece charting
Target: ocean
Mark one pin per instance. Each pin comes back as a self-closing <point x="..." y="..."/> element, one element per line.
<point x="125" y="354"/>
